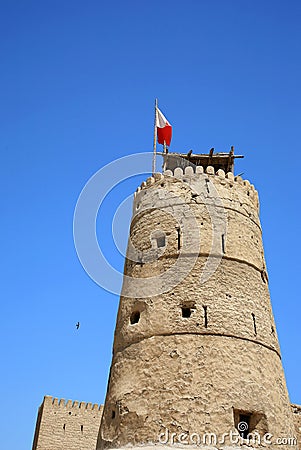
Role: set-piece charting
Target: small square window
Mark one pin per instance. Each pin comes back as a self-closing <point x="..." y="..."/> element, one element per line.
<point x="187" y="309"/>
<point x="158" y="239"/>
<point x="186" y="312"/>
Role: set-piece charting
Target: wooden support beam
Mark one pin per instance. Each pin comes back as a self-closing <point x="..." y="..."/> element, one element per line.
<point x="210" y="156"/>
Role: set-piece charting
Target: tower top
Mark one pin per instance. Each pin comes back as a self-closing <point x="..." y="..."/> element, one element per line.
<point x="224" y="161"/>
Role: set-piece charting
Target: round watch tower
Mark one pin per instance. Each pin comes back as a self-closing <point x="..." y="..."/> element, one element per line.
<point x="196" y="352"/>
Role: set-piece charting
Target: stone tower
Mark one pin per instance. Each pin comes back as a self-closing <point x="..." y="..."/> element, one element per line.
<point x="196" y="354"/>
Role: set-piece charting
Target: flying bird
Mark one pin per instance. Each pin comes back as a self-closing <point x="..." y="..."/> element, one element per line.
<point x="77" y="325"/>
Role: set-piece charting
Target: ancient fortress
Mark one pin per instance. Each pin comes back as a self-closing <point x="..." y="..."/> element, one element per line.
<point x="196" y="355"/>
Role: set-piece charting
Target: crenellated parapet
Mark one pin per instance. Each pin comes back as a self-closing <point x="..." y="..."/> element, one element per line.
<point x="67" y="424"/>
<point x="231" y="188"/>
<point x="55" y="402"/>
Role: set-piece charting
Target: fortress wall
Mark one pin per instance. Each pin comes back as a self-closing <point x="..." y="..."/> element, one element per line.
<point x="232" y="300"/>
<point x="236" y="296"/>
<point x="196" y="354"/>
<point x="196" y="373"/>
<point x="193" y="384"/>
<point x="67" y="425"/>
<point x="204" y="195"/>
<point x="53" y="421"/>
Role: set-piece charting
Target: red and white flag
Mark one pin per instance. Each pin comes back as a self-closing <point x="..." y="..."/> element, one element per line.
<point x="164" y="129"/>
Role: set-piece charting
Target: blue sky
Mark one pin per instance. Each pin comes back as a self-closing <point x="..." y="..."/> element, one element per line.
<point x="77" y="87"/>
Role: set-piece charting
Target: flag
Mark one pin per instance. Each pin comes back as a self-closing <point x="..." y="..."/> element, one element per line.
<point x="164" y="129"/>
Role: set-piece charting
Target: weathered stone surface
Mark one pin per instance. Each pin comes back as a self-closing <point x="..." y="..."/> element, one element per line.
<point x="191" y="383"/>
<point x="68" y="426"/>
<point x="228" y="295"/>
<point x="210" y="170"/>
<point x="194" y="357"/>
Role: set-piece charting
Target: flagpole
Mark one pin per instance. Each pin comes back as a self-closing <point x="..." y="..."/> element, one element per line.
<point x="155" y="138"/>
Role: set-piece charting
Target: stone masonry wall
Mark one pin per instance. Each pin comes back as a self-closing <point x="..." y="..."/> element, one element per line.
<point x="66" y="425"/>
<point x="194" y="352"/>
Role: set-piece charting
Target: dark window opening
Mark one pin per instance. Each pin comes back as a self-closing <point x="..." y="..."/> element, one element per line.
<point x="223" y="243"/>
<point x="135" y="317"/>
<point x="81" y="428"/>
<point x="70" y="413"/>
<point x="205" y="316"/>
<point x="113" y="414"/>
<point x="272" y="329"/>
<point x="186" y="312"/>
<point x="244" y="425"/>
<point x="254" y="323"/>
<point x="64" y="427"/>
<point x="207" y="186"/>
<point x="179" y="238"/>
<point x="264" y="276"/>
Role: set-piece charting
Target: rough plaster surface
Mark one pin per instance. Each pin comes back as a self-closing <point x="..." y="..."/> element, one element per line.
<point x="192" y="383"/>
<point x="232" y="295"/>
<point x="297" y="419"/>
<point x="196" y="374"/>
<point x="67" y="425"/>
